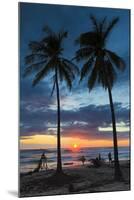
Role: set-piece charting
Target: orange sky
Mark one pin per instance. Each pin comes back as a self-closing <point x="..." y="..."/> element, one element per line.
<point x="49" y="141"/>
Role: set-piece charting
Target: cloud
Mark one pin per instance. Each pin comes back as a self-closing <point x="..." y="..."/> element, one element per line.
<point x="87" y="122"/>
<point x="120" y="127"/>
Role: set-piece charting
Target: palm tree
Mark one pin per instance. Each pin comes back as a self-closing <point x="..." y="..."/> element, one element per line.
<point x="46" y="57"/>
<point x="100" y="67"/>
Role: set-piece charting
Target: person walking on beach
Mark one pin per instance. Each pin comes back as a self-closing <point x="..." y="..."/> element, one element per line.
<point x="110" y="157"/>
<point x="44" y="161"/>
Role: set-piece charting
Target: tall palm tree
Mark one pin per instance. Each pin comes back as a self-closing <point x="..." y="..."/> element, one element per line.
<point x="100" y="67"/>
<point x="46" y="56"/>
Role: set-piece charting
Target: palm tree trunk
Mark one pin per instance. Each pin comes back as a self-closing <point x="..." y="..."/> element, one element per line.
<point x="117" y="172"/>
<point x="59" y="163"/>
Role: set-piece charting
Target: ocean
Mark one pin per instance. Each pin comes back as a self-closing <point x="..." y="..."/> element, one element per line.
<point x="29" y="158"/>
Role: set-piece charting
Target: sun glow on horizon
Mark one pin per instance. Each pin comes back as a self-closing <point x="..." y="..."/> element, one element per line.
<point x="75" y="146"/>
<point x="49" y="141"/>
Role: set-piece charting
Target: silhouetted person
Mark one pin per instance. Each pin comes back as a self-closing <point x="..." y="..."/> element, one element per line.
<point x="110" y="157"/>
<point x="83" y="159"/>
<point x="44" y="161"/>
<point x="96" y="162"/>
<point x="99" y="156"/>
<point x="37" y="169"/>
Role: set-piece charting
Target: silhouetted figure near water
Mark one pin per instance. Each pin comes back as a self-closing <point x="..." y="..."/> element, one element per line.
<point x="99" y="156"/>
<point x="37" y="169"/>
<point x="110" y="157"/>
<point x="96" y="162"/>
<point x="44" y="161"/>
<point x="83" y="159"/>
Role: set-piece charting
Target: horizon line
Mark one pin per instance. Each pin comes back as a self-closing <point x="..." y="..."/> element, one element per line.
<point x="70" y="148"/>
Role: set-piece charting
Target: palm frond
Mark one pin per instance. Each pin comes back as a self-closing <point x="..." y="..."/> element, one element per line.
<point x="102" y="78"/>
<point x="35" y="47"/>
<point x="66" y="76"/>
<point x="71" y="74"/>
<point x="33" y="57"/>
<point x="94" y="22"/>
<point x="29" y="59"/>
<point x="43" y="72"/>
<point x="83" y="53"/>
<point x="67" y="68"/>
<point x="62" y="35"/>
<point x="34" y="67"/>
<point x="71" y="66"/>
<point x="102" y="25"/>
<point x="116" y="60"/>
<point x="101" y="72"/>
<point x="54" y="84"/>
<point x="102" y="75"/>
<point x="92" y="78"/>
<point x="110" y="26"/>
<point x="97" y="73"/>
<point x="86" y="68"/>
<point x="48" y="30"/>
<point x="110" y="73"/>
<point x="106" y="75"/>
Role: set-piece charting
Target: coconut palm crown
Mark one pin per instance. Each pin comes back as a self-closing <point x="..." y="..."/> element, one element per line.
<point x="46" y="57"/>
<point x="101" y="63"/>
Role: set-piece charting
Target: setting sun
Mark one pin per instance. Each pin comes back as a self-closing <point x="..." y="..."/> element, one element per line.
<point x="75" y="146"/>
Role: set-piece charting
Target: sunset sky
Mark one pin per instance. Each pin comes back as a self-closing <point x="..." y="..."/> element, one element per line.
<point x="85" y="117"/>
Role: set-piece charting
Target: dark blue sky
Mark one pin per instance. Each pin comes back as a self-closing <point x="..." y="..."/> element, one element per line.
<point x="83" y="114"/>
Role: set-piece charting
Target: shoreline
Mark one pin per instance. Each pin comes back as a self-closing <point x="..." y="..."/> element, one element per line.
<point x="74" y="164"/>
<point x="29" y="159"/>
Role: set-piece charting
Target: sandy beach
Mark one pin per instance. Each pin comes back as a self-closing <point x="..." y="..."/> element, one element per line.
<point x="80" y="179"/>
